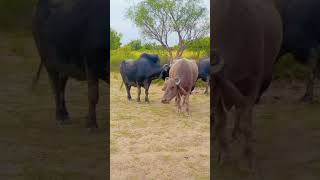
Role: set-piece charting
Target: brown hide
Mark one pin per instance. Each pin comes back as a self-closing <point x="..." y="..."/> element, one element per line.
<point x="186" y="70"/>
<point x="247" y="34"/>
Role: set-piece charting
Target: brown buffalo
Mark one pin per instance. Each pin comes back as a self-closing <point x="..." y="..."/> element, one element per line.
<point x="248" y="35"/>
<point x="183" y="75"/>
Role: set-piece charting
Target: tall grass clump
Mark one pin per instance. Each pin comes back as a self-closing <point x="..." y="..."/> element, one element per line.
<point x="289" y="69"/>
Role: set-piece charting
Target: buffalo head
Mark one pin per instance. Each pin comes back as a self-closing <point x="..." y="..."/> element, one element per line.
<point x="171" y="89"/>
<point x="165" y="71"/>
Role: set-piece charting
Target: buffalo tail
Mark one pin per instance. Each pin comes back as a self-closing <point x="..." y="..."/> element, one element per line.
<point x="36" y="79"/>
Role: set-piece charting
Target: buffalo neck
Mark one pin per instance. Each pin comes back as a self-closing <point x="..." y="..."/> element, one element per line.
<point x="155" y="73"/>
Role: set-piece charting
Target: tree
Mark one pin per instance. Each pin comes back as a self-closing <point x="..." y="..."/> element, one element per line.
<point x="160" y="19"/>
<point x="115" y="39"/>
<point x="135" y="45"/>
<point x="198" y="45"/>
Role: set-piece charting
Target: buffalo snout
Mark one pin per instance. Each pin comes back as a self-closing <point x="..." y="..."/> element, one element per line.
<point x="165" y="101"/>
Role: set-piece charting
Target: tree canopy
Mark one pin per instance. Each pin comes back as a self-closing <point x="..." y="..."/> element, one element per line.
<point x="159" y="20"/>
<point x="135" y="45"/>
<point x="115" y="39"/>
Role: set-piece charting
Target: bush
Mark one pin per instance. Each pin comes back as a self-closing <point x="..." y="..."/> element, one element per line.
<point x="289" y="69"/>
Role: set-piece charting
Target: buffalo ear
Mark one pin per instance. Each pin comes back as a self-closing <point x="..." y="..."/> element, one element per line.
<point x="167" y="78"/>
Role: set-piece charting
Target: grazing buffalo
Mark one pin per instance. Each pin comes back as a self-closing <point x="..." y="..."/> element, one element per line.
<point x="247" y="35"/>
<point x="140" y="73"/>
<point x="73" y="42"/>
<point x="301" y="37"/>
<point x="204" y="72"/>
<point x="183" y="75"/>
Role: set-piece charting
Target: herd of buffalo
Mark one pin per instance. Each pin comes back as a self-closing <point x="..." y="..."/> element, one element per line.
<point x="248" y="37"/>
<point x="180" y="77"/>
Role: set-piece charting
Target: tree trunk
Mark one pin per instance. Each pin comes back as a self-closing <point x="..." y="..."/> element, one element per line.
<point x="170" y="55"/>
<point x="180" y="51"/>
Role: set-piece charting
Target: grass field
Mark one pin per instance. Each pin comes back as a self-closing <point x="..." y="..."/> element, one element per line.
<point x="148" y="141"/>
<point x="32" y="145"/>
<point x="153" y="141"/>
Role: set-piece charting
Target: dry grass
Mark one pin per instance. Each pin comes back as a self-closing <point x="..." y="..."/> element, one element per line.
<point x="32" y="145"/>
<point x="153" y="141"/>
<point x="287" y="138"/>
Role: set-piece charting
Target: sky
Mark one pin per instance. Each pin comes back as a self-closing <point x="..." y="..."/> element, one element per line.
<point x="121" y="24"/>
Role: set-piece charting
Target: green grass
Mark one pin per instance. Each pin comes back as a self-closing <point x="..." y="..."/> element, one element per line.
<point x="289" y="69"/>
<point x="121" y="54"/>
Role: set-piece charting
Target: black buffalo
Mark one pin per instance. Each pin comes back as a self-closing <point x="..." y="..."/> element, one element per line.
<point x="140" y="73"/>
<point x="301" y="36"/>
<point x="72" y="40"/>
<point x="204" y="72"/>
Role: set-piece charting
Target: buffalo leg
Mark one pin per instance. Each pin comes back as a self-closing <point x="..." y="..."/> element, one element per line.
<point x="139" y="93"/>
<point x="178" y="102"/>
<point x="187" y="103"/>
<point x="128" y="88"/>
<point x="312" y="66"/>
<point x="93" y="97"/>
<point x="220" y="131"/>
<point x="247" y="128"/>
<point x="207" y="86"/>
<point x="58" y="85"/>
<point x="236" y="129"/>
<point x="146" y="87"/>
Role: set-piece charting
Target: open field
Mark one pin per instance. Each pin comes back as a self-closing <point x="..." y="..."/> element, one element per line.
<point x="287" y="135"/>
<point x="32" y="145"/>
<point x="153" y="141"/>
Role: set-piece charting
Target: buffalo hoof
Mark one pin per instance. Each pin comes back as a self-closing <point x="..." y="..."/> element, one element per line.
<point x="236" y="134"/>
<point x="147" y="100"/>
<point x="138" y="100"/>
<point x="93" y="129"/>
<point x="91" y="125"/>
<point x="307" y="99"/>
<point x="251" y="165"/>
<point x="223" y="157"/>
<point x="65" y="122"/>
<point x="129" y="99"/>
<point x="63" y="119"/>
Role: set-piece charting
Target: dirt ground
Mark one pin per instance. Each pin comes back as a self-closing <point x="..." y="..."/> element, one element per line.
<point x="32" y="145"/>
<point x="153" y="141"/>
<point x="287" y="138"/>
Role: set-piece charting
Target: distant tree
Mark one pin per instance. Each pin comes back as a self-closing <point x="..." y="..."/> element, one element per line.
<point x="135" y="45"/>
<point x="115" y="39"/>
<point x="149" y="46"/>
<point x="160" y="19"/>
<point x="198" y="45"/>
